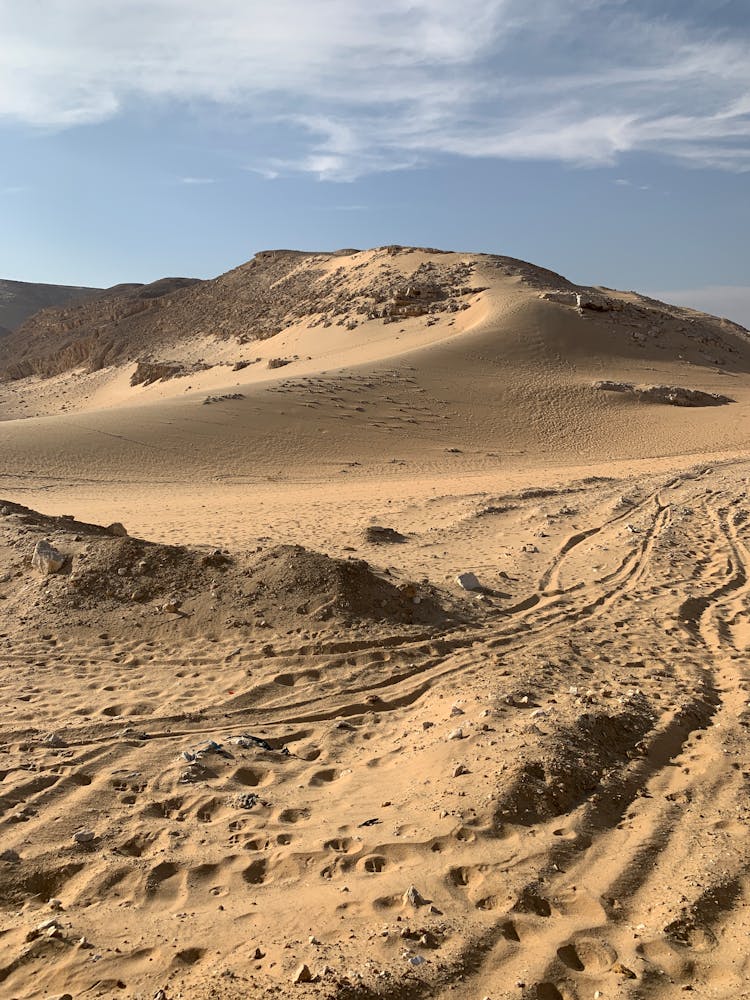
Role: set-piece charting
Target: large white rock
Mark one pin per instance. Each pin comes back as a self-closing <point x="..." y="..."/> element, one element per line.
<point x="46" y="558"/>
<point x="468" y="581"/>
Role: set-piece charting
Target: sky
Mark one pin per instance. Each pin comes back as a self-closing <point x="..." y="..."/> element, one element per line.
<point x="608" y="140"/>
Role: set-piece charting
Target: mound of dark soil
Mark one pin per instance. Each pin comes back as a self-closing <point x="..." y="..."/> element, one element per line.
<point x="129" y="569"/>
<point x="558" y="773"/>
<point x="290" y="578"/>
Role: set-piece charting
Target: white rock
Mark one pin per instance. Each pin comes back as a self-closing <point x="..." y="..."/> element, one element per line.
<point x="46" y="558"/>
<point x="302" y="975"/>
<point x="84" y="837"/>
<point x="456" y="734"/>
<point x="468" y="581"/>
<point x="414" y="897"/>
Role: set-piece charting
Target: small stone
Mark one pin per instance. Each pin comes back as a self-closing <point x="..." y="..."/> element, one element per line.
<point x="456" y="710"/>
<point x="468" y="581"/>
<point x="460" y="769"/>
<point x="414" y="897"/>
<point x="53" y="740"/>
<point x="46" y="924"/>
<point x="11" y="856"/>
<point x="84" y="837"/>
<point x="117" y="529"/>
<point x="456" y="734"/>
<point x="313" y="940"/>
<point x="302" y="975"/>
<point x="427" y="724"/>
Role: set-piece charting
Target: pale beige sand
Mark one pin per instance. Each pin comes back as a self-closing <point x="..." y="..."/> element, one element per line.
<point x="597" y="844"/>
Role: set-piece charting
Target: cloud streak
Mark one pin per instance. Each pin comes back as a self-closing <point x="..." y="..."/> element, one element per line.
<point x="356" y="87"/>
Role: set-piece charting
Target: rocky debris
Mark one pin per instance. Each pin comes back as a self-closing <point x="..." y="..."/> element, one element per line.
<point x="245" y="800"/>
<point x="220" y="399"/>
<point x="596" y="301"/>
<point x="583" y="298"/>
<point x="564" y="297"/>
<point x="46" y="558"/>
<point x="376" y="534"/>
<point x="607" y="385"/>
<point x="279" y="362"/>
<point x="468" y="581"/>
<point x="672" y="395"/>
<point x="678" y="396"/>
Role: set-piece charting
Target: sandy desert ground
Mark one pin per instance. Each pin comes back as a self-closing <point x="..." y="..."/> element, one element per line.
<point x="257" y="748"/>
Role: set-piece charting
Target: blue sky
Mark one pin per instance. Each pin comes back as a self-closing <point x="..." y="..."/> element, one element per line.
<point x="606" y="139"/>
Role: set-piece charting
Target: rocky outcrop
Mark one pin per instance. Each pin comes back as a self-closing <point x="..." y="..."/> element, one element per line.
<point x="147" y="371"/>
<point x="46" y="558"/>
<point x="671" y="395"/>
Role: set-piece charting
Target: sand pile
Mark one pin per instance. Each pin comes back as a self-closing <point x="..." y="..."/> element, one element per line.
<point x="291" y="576"/>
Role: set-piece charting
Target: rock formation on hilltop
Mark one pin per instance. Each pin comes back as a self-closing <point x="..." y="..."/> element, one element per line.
<point x="148" y="325"/>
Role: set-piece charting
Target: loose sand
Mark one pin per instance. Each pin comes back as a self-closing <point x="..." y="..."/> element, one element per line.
<point x="557" y="763"/>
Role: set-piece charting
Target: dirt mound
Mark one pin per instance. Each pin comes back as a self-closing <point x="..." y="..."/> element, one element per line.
<point x="558" y="772"/>
<point x="292" y="578"/>
<point x="129" y="569"/>
<point x="108" y="575"/>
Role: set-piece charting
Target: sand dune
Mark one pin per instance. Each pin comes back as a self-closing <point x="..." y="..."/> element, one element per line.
<point x="265" y="738"/>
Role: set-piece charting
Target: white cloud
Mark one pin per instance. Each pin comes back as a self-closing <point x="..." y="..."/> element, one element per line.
<point x="363" y="87"/>
<point x="197" y="180"/>
<point x="731" y="301"/>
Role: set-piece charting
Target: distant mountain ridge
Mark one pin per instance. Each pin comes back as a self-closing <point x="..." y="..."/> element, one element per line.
<point x="21" y="299"/>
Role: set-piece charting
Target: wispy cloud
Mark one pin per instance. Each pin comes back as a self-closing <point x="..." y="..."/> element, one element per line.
<point x="197" y="180"/>
<point x="365" y="87"/>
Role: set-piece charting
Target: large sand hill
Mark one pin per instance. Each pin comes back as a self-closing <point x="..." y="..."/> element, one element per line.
<point x="255" y="734"/>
